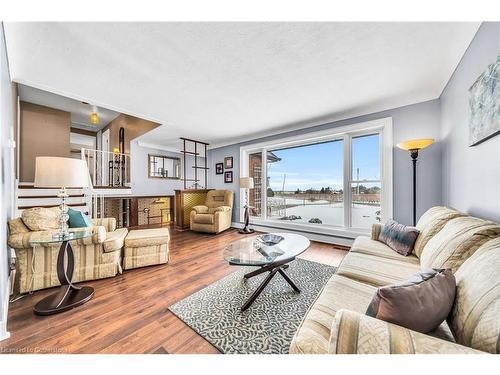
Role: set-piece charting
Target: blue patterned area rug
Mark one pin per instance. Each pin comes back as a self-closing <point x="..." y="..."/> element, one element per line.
<point x="268" y="326"/>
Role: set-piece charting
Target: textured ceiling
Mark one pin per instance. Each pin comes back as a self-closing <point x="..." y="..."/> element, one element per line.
<point x="225" y="82"/>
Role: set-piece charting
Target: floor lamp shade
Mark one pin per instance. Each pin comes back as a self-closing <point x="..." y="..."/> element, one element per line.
<point x="413" y="146"/>
<point x="58" y="172"/>
<point x="246" y="182"/>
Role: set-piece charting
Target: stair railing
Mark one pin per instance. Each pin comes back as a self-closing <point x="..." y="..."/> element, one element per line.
<point x="109" y="169"/>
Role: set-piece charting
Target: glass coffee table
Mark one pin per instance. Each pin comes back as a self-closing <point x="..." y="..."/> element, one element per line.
<point x="69" y="295"/>
<point x="271" y="258"/>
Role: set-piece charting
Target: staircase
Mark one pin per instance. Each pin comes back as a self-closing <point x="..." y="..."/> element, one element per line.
<point x="29" y="196"/>
<point x="109" y="173"/>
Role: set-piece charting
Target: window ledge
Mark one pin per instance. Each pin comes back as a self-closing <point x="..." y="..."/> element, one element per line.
<point x="328" y="230"/>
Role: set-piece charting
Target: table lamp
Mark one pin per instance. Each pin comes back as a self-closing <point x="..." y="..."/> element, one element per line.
<point x="246" y="183"/>
<point x="414" y="146"/>
<point x="62" y="173"/>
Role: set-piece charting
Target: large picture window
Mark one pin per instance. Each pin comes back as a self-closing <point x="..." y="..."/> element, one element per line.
<point x="331" y="180"/>
<point x="305" y="184"/>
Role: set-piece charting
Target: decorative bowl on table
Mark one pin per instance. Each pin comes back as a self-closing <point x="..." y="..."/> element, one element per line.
<point x="270" y="239"/>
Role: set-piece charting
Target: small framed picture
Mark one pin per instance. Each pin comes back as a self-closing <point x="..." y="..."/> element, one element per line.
<point x="228" y="177"/>
<point x="219" y="168"/>
<point x="228" y="162"/>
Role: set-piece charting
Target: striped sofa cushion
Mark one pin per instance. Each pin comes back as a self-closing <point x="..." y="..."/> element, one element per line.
<point x="313" y="334"/>
<point x="475" y="318"/>
<point x="378" y="270"/>
<point x="355" y="333"/>
<point x="430" y="223"/>
<point x="457" y="241"/>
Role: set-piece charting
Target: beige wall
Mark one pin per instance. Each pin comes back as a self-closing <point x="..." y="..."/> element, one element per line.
<point x="134" y="127"/>
<point x="43" y="132"/>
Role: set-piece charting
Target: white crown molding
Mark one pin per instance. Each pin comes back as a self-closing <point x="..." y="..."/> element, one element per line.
<point x="158" y="147"/>
<point x="353" y="115"/>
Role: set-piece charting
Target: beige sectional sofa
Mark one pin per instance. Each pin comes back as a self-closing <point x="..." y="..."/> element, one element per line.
<point x="336" y="322"/>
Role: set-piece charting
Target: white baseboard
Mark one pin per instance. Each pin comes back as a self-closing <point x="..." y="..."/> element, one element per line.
<point x="310" y="235"/>
<point x="4" y="335"/>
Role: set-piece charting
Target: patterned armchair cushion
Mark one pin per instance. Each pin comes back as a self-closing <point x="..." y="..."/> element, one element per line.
<point x="475" y="318"/>
<point x="99" y="235"/>
<point x="457" y="241"/>
<point x="356" y="333"/>
<point x="40" y="218"/>
<point x="107" y="222"/>
<point x="430" y="223"/>
<point x="17" y="226"/>
<point x="22" y="240"/>
<point x="115" y="240"/>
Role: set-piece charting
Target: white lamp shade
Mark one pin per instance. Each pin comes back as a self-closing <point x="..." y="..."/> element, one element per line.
<point x="58" y="172"/>
<point x="246" y="182"/>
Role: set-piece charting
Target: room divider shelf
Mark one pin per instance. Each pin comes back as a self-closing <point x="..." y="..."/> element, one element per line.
<point x="195" y="153"/>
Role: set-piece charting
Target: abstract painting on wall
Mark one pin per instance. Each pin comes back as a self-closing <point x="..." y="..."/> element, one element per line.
<point x="484" y="102"/>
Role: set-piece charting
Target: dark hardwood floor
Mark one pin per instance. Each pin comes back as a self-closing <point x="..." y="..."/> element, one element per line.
<point x="129" y="313"/>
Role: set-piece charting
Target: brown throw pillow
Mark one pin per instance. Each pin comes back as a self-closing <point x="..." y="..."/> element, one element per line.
<point x="401" y="238"/>
<point x="421" y="303"/>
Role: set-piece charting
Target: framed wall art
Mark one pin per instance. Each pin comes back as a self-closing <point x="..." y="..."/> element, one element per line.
<point x="228" y="177"/>
<point x="228" y="162"/>
<point x="219" y="168"/>
<point x="484" y="120"/>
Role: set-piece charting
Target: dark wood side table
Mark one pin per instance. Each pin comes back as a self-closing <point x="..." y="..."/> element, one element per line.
<point x="69" y="295"/>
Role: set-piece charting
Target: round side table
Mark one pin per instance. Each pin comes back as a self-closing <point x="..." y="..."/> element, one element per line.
<point x="69" y="295"/>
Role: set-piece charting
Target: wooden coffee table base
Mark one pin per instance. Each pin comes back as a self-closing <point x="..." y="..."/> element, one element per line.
<point x="69" y="295"/>
<point x="273" y="269"/>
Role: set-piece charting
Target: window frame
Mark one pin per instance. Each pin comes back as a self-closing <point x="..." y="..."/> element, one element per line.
<point x="382" y="126"/>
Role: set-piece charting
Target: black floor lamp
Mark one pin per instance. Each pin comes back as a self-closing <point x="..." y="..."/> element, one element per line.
<point x="414" y="146"/>
<point x="246" y="183"/>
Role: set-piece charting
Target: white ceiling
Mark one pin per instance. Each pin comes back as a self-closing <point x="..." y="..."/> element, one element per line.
<point x="226" y="82"/>
<point x="80" y="112"/>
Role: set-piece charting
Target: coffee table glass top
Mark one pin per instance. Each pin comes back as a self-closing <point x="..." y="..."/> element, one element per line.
<point x="250" y="251"/>
<point x="51" y="237"/>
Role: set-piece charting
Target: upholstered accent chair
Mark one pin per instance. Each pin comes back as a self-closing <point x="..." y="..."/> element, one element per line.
<point x="215" y="216"/>
<point x="96" y="257"/>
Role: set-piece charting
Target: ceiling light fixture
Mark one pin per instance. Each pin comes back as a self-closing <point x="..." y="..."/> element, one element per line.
<point x="94" y="118"/>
